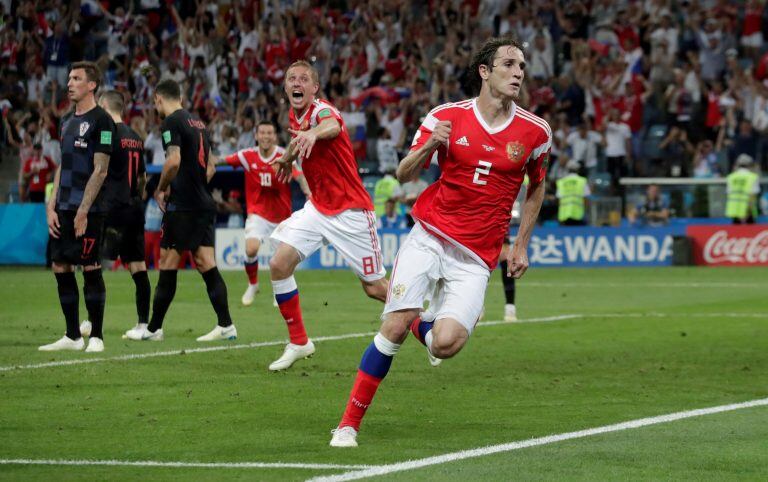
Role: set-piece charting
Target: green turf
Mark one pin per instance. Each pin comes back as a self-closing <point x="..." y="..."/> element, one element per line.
<point x="651" y="342"/>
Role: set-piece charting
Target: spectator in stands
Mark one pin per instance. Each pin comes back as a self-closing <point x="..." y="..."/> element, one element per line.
<point x="583" y="144"/>
<point x="411" y="191"/>
<point x="677" y="151"/>
<point x="653" y="211"/>
<point x="391" y="219"/>
<point x="705" y="162"/>
<point x="38" y="170"/>
<point x="386" y="151"/>
<point x="618" y="148"/>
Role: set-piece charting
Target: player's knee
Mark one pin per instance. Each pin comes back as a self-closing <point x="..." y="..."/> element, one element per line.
<point x="376" y="289"/>
<point x="278" y="268"/>
<point x="445" y="346"/>
<point x="395" y="326"/>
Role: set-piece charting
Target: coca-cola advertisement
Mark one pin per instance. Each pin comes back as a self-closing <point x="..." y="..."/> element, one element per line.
<point x="745" y="245"/>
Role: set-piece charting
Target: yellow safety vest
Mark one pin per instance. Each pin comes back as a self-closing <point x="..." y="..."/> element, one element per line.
<point x="740" y="184"/>
<point x="570" y="192"/>
<point x="382" y="191"/>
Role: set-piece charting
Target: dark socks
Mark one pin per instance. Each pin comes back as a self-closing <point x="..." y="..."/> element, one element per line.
<point x="95" y="295"/>
<point x="141" y="280"/>
<point x="217" y="293"/>
<point x="69" y="297"/>
<point x="509" y="284"/>
<point x="164" y="293"/>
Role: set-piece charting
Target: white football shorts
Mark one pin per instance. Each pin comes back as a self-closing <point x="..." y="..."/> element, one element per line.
<point x="259" y="228"/>
<point x="425" y="262"/>
<point x="352" y="233"/>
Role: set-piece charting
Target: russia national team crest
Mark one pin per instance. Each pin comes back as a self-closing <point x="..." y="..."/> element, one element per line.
<point x="84" y="128"/>
<point x="515" y="151"/>
<point x="398" y="291"/>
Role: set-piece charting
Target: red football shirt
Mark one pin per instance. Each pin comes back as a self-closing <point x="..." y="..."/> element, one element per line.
<point x="264" y="194"/>
<point x="331" y="169"/>
<point x="482" y="170"/>
<point x="44" y="166"/>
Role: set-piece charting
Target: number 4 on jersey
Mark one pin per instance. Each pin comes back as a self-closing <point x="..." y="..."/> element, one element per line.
<point x="484" y="169"/>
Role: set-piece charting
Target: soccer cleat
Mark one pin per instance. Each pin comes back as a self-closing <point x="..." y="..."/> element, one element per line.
<point x="85" y="328"/>
<point x="138" y="327"/>
<point x="274" y="302"/>
<point x="344" y="437"/>
<point x="220" y="333"/>
<point x="250" y="292"/>
<point x="510" y="313"/>
<point x="65" y="343"/>
<point x="95" y="345"/>
<point x="427" y="316"/>
<point x="433" y="360"/>
<point x="292" y="354"/>
<point x="141" y="333"/>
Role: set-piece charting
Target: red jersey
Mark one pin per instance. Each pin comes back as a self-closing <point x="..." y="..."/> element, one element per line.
<point x="482" y="170"/>
<point x="44" y="166"/>
<point x="331" y="169"/>
<point x="264" y="194"/>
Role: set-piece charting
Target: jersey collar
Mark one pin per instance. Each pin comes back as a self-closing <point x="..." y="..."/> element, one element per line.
<point x="489" y="129"/>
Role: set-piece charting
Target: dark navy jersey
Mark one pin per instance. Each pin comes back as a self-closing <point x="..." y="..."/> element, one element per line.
<point x="189" y="189"/>
<point x="126" y="166"/>
<point x="82" y="136"/>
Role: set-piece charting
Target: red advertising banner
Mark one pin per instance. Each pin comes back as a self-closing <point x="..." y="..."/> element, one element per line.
<point x="736" y="245"/>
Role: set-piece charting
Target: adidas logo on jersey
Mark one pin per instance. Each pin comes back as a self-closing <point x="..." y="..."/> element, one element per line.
<point x="462" y="141"/>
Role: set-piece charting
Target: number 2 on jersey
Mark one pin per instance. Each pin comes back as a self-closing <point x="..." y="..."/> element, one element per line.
<point x="483" y="169"/>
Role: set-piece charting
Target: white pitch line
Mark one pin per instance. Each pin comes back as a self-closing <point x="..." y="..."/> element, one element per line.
<point x="694" y="284"/>
<point x="543" y="319"/>
<point x="494" y="449"/>
<point x="184" y="351"/>
<point x="205" y="465"/>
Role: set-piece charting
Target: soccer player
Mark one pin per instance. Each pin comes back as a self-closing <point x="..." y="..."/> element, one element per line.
<point x="340" y="211"/>
<point x="484" y="146"/>
<point x="190" y="214"/>
<point x="268" y="200"/>
<point x="123" y="189"/>
<point x="76" y="208"/>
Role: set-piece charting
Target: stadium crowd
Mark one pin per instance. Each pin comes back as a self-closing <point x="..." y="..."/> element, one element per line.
<point x="631" y="88"/>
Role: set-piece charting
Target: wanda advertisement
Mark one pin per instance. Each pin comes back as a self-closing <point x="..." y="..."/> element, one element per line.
<point x="745" y="245"/>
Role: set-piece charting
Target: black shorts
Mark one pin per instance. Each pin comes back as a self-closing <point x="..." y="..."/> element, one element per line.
<point x="124" y="234"/>
<point x="84" y="251"/>
<point x="188" y="230"/>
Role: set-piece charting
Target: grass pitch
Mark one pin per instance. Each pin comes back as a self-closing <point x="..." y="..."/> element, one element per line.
<point x="641" y="343"/>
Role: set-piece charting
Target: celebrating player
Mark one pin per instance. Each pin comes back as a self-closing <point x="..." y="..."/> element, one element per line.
<point x="484" y="146"/>
<point x="76" y="209"/>
<point x="190" y="214"/>
<point x="123" y="189"/>
<point x="340" y="211"/>
<point x="268" y="199"/>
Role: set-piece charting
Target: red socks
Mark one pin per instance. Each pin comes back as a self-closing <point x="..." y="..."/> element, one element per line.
<point x="252" y="270"/>
<point x="359" y="399"/>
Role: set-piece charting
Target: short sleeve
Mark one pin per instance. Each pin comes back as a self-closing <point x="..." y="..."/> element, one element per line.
<point x="424" y="132"/>
<point x="103" y="133"/>
<point x="539" y="160"/>
<point x="234" y="159"/>
<point x="170" y="133"/>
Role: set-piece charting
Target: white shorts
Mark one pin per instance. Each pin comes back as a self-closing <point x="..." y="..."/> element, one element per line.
<point x="426" y="263"/>
<point x="259" y="228"/>
<point x="352" y="233"/>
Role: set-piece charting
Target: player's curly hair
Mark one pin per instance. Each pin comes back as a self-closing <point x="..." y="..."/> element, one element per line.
<point x="484" y="56"/>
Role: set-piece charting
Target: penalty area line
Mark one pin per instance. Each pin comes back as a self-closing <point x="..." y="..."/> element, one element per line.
<point x="508" y="447"/>
<point x="188" y="351"/>
<point x="203" y="465"/>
